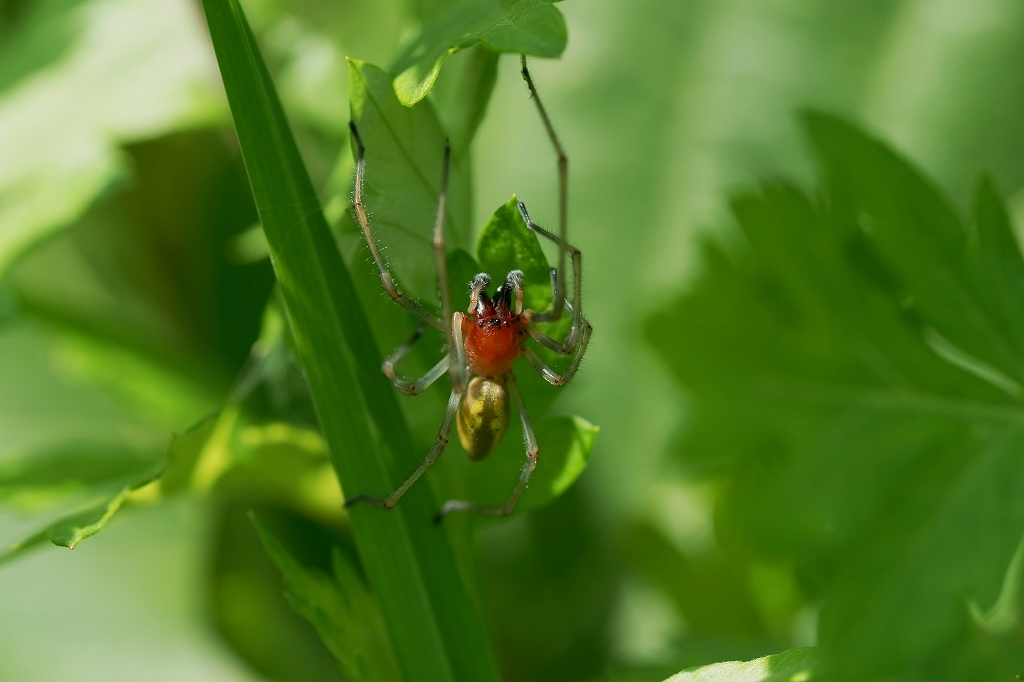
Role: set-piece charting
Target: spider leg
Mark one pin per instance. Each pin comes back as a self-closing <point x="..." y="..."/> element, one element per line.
<point x="560" y="347"/>
<point x="457" y="371"/>
<point x="532" y="450"/>
<point x="574" y="307"/>
<point x="460" y="371"/>
<point x="563" y="200"/>
<point x="550" y="375"/>
<point x="439" y="444"/>
<point x="386" y="279"/>
<point x="412" y="388"/>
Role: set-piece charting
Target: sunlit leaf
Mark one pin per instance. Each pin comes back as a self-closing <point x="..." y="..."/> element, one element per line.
<point x="533" y="27"/>
<point x="790" y="666"/>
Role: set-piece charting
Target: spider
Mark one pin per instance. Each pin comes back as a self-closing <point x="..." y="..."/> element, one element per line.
<point x="485" y="341"/>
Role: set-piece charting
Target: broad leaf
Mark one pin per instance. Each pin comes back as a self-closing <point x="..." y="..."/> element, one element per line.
<point x="790" y="666"/>
<point x="341" y="608"/>
<point x="533" y="27"/>
<point x="409" y="561"/>
<point x="856" y="377"/>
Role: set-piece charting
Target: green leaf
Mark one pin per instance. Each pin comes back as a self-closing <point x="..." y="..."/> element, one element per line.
<point x="341" y="608"/>
<point x="73" y="441"/>
<point x="122" y="85"/>
<point x="434" y="625"/>
<point x="404" y="151"/>
<point x="506" y="244"/>
<point x="856" y="377"/>
<point x="73" y="528"/>
<point x="533" y="27"/>
<point x="796" y="665"/>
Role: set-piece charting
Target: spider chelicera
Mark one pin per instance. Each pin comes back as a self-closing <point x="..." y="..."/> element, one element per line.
<point x="487" y="339"/>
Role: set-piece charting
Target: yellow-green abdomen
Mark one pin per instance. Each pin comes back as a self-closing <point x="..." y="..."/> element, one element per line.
<point x="483" y="416"/>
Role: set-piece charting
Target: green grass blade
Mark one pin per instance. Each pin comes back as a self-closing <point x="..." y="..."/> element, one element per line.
<point x="437" y="632"/>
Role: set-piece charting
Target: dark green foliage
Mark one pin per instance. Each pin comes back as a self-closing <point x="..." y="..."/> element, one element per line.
<point x="855" y="371"/>
<point x="551" y="568"/>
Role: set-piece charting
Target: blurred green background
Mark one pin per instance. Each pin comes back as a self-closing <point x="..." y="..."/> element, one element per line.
<point x="132" y="288"/>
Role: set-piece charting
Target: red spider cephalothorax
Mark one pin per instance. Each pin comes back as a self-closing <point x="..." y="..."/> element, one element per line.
<point x="493" y="333"/>
<point x="485" y="341"/>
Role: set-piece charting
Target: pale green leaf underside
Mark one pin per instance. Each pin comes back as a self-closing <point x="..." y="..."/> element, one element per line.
<point x="404" y="152"/>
